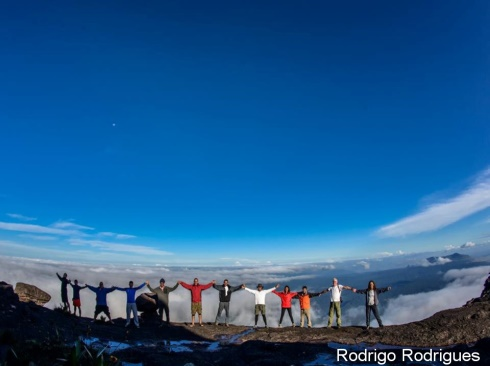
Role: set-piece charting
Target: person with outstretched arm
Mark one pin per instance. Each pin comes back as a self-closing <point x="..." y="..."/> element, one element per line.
<point x="225" y="292"/>
<point x="77" y="303"/>
<point x="131" y="303"/>
<point x="101" y="300"/>
<point x="286" y="296"/>
<point x="304" y="304"/>
<point x="372" y="302"/>
<point x="196" y="300"/>
<point x="162" y="293"/>
<point x="335" y="302"/>
<point x="64" y="291"/>
<point x="260" y="301"/>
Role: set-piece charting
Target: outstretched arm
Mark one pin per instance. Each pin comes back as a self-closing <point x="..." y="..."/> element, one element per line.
<point x="184" y="285"/>
<point x="61" y="279"/>
<point x="383" y="289"/>
<point x="236" y="288"/>
<point x="170" y="289"/>
<point x="205" y="287"/>
<point x="140" y="286"/>
<point x="92" y="288"/>
<point x="250" y="290"/>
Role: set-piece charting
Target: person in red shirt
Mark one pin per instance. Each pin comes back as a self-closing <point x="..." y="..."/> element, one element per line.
<point x="196" y="300"/>
<point x="286" y="297"/>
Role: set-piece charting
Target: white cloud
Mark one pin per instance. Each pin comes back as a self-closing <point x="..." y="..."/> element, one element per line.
<point x="464" y="284"/>
<point x="116" y="235"/>
<point x="328" y="266"/>
<point x="70" y="225"/>
<point x="438" y="215"/>
<point x="124" y="236"/>
<point x="384" y="254"/>
<point x="21" y="217"/>
<point x="468" y="244"/>
<point x="363" y="264"/>
<point x="450" y="247"/>
<point x="439" y="260"/>
<point x="38" y="237"/>
<point x="116" y="247"/>
<point x="38" y="229"/>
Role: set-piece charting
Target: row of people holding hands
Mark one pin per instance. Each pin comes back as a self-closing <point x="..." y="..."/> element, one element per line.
<point x="225" y="291"/>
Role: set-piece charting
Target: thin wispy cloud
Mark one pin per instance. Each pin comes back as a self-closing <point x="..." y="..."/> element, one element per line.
<point x="116" y="247"/>
<point x="115" y="235"/>
<point x="21" y="217"/>
<point x="37" y="229"/>
<point x="468" y="244"/>
<point x="438" y="215"/>
<point x="39" y="237"/>
<point x="70" y="225"/>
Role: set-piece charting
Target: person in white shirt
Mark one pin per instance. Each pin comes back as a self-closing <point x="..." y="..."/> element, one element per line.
<point x="372" y="302"/>
<point x="335" y="301"/>
<point x="260" y="301"/>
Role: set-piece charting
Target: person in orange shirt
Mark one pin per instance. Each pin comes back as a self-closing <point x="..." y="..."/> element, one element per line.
<point x="304" y="304"/>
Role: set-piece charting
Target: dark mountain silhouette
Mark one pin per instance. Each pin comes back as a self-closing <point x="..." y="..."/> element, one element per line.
<point x="452" y="257"/>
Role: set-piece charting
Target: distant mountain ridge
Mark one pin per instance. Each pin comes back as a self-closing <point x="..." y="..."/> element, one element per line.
<point x="452" y="257"/>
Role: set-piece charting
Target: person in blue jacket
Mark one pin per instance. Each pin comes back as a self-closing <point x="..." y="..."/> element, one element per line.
<point x="131" y="303"/>
<point x="101" y="300"/>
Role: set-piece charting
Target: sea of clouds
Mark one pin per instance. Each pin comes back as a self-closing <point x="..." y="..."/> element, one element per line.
<point x="461" y="286"/>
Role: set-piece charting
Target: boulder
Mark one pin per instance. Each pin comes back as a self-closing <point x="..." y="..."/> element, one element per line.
<point x="32" y="293"/>
<point x="147" y="303"/>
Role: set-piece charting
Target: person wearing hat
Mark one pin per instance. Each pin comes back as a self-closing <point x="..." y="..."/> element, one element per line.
<point x="260" y="301"/>
<point x="162" y="298"/>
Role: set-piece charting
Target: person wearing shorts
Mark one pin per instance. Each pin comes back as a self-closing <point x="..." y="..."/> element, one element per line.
<point x="196" y="300"/>
<point x="101" y="300"/>
<point x="77" y="304"/>
<point x="260" y="301"/>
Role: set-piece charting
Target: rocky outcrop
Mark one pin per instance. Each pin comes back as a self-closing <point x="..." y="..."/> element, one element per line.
<point x="147" y="303"/>
<point x="32" y="293"/>
<point x="485" y="294"/>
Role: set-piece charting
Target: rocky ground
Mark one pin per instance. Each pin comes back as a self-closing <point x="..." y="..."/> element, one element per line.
<point x="47" y="332"/>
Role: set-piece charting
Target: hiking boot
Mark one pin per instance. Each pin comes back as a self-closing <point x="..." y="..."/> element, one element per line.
<point x="255" y="326"/>
<point x="227" y="325"/>
<point x="216" y="323"/>
<point x="127" y="325"/>
<point x="279" y="326"/>
<point x="294" y="325"/>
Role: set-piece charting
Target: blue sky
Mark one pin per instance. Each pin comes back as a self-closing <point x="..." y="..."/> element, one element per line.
<point x="244" y="132"/>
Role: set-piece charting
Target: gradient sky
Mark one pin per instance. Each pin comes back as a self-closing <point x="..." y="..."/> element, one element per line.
<point x="242" y="132"/>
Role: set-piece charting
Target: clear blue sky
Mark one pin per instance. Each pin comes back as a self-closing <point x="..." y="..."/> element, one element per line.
<point x="188" y="132"/>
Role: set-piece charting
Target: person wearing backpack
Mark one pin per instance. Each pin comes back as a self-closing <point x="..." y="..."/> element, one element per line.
<point x="335" y="301"/>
